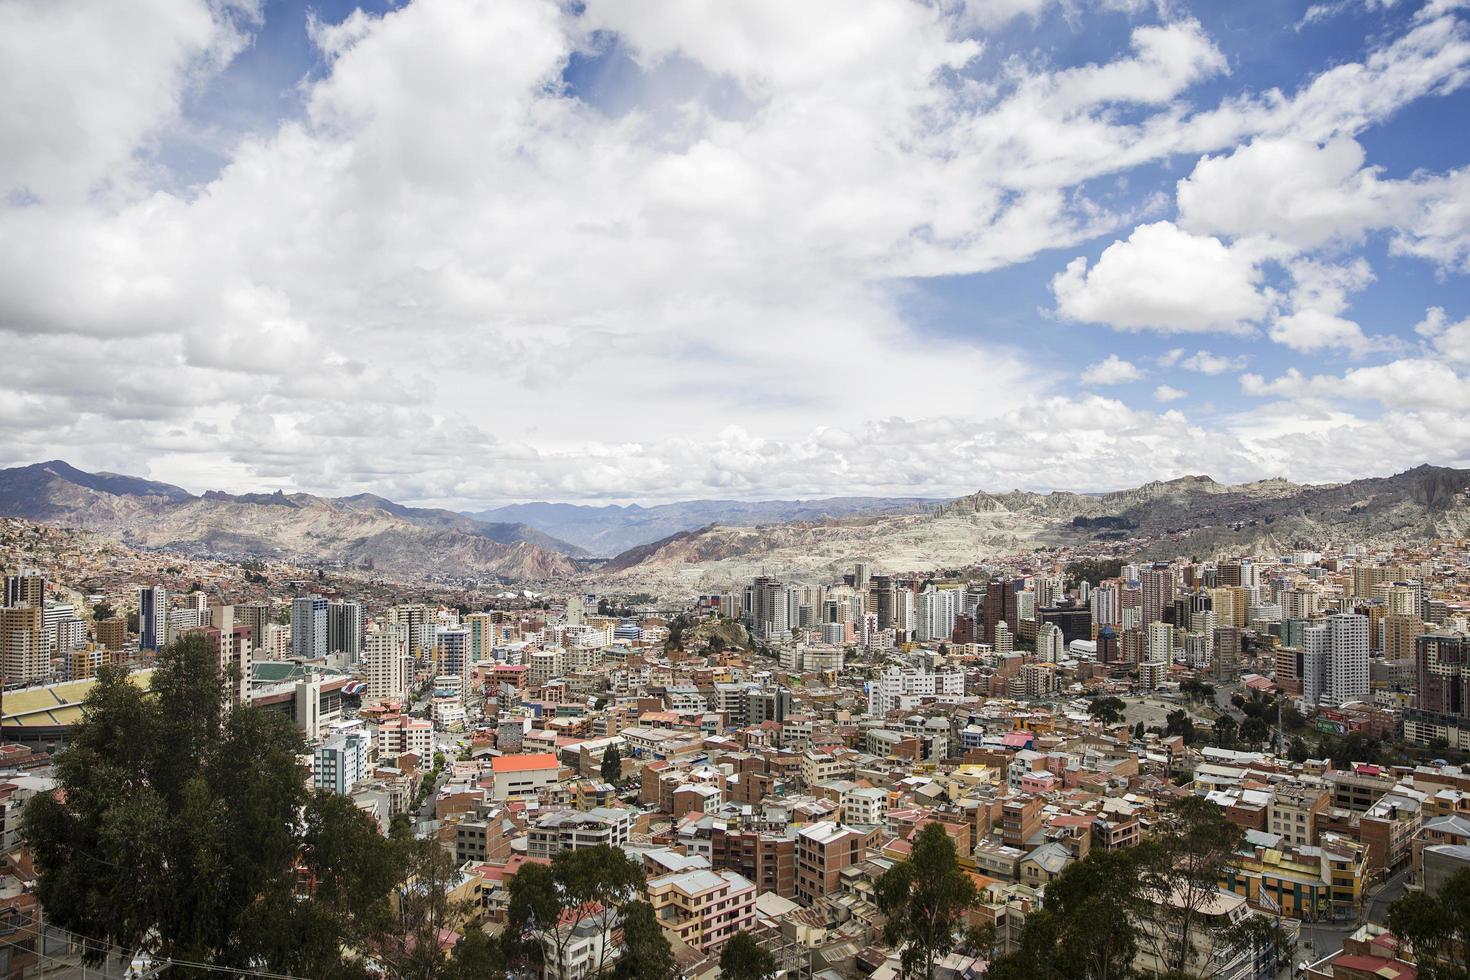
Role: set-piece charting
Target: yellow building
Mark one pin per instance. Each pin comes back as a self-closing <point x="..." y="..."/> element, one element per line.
<point x="1301" y="882"/>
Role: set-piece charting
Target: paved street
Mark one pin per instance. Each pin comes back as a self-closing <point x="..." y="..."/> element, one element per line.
<point x="1321" y="939"/>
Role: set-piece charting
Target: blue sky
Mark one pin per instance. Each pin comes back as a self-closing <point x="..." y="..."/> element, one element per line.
<point x="466" y="253"/>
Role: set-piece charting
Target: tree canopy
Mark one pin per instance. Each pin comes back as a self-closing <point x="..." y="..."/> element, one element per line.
<point x="925" y="898"/>
<point x="188" y="831"/>
<point x="743" y="959"/>
<point x="1438" y="927"/>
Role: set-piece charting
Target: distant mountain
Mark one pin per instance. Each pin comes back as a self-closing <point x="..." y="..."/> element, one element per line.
<point x="407" y="541"/>
<point x="612" y="529"/>
<point x="1190" y="516"/>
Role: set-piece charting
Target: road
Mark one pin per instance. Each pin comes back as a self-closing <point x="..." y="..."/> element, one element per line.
<point x="1325" y="938"/>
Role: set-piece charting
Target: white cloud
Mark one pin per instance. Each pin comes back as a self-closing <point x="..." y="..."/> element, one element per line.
<point x="1451" y="340"/>
<point x="1111" y="370"/>
<point x="1308" y="331"/>
<point x="1168" y="280"/>
<point x="73" y="115"/>
<point x="1168" y="393"/>
<point x="1309" y="195"/>
<point x="1206" y="363"/>
<point x="453" y="279"/>
<point x="1407" y="383"/>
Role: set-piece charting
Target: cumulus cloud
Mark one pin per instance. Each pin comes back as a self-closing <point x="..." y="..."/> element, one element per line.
<point x="455" y="277"/>
<point x="1163" y="278"/>
<point x="1111" y="370"/>
<point x="1168" y="393"/>
<point x="1308" y="195"/>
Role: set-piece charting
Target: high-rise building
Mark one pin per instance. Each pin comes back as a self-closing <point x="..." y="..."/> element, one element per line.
<point x="881" y="588"/>
<point x="1442" y="666"/>
<point x="1106" y="605"/>
<point x="152" y="617"/>
<point x="24" y="652"/>
<point x="454" y="654"/>
<point x="1158" y="591"/>
<point x="344" y="629"/>
<point x="1050" y="648"/>
<point x="386" y="662"/>
<point x="112" y="633"/>
<point x="233" y="650"/>
<point x="770" y="607"/>
<point x="309" y="627"/>
<point x="935" y="614"/>
<point x="482" y="635"/>
<point x="420" y="625"/>
<point x="1335" y="660"/>
<point x="257" y="616"/>
<point x="1160" y="642"/>
<point x="1000" y="607"/>
<point x="25" y="589"/>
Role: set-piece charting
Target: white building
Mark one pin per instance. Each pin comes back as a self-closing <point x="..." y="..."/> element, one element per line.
<point x="905" y="689"/>
<point x="1335" y="660"/>
<point x="341" y="762"/>
<point x="309" y="627"/>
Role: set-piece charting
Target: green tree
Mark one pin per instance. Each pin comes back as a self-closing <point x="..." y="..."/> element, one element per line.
<point x="409" y="945"/>
<point x="743" y="959"/>
<point x="476" y="957"/>
<point x="180" y="828"/>
<point x="602" y="881"/>
<point x="1255" y="730"/>
<point x="1107" y="711"/>
<point x="1179" y="870"/>
<point x="1087" y="927"/>
<point x="589" y="883"/>
<point x="1297" y="749"/>
<point x="533" y="914"/>
<point x="1438" y="927"/>
<point x="1177" y="722"/>
<point x="1139" y="732"/>
<point x="646" y="953"/>
<point x="1226" y="730"/>
<point x="612" y="764"/>
<point x="924" y="898"/>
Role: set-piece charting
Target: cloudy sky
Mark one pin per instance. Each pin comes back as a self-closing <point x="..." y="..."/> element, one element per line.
<point x="463" y="252"/>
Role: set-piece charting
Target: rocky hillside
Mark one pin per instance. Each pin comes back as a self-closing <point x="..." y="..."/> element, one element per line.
<point x="613" y="529"/>
<point x="1190" y="516"/>
<point x="359" y="530"/>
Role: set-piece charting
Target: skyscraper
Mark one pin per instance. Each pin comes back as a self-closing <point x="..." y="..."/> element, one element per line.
<point x="1158" y="591"/>
<point x="25" y="589"/>
<point x="386" y="660"/>
<point x="24" y="652"/>
<point x="1000" y="607"/>
<point x="257" y="616"/>
<point x="152" y="617"/>
<point x="1335" y="660"/>
<point x="344" y="629"/>
<point x="309" y="627"/>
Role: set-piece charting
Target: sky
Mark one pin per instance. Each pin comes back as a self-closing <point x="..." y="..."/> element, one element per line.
<point x="469" y="252"/>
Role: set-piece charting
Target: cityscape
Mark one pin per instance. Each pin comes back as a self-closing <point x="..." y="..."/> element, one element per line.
<point x="763" y="490"/>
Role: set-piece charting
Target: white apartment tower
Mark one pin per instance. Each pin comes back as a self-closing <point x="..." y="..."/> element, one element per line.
<point x="1335" y="660"/>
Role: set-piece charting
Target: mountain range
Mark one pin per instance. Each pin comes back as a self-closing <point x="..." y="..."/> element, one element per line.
<point x="612" y="529"/>
<point x="359" y="531"/>
<point x="712" y="543"/>
<point x="1189" y="516"/>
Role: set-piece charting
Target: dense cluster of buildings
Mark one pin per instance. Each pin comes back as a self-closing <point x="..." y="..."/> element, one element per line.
<point x="767" y="774"/>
